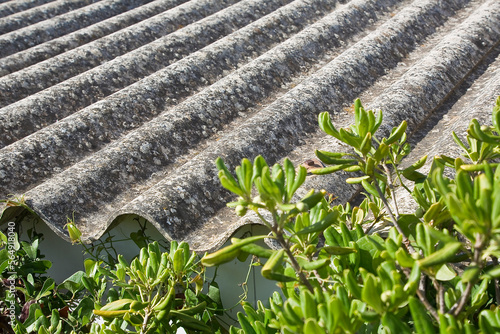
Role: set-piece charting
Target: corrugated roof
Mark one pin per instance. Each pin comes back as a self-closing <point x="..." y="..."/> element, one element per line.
<point x="118" y="107"/>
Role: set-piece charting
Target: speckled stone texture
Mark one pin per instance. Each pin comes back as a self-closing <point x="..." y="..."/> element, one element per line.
<point x="131" y="122"/>
<point x="12" y="7"/>
<point x="40" y="13"/>
<point x="80" y="37"/>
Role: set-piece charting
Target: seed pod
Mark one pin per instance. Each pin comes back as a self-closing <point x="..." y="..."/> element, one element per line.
<point x="330" y="169"/>
<point x="313" y="265"/>
<point x="74" y="232"/>
<point x="352" y="168"/>
<point x="257" y="250"/>
<point x="161" y="315"/>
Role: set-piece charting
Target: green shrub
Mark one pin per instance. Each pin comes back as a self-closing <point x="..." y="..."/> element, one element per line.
<point x="435" y="269"/>
<point x="158" y="292"/>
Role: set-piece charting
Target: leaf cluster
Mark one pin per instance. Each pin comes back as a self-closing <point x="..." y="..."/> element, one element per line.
<point x="434" y="269"/>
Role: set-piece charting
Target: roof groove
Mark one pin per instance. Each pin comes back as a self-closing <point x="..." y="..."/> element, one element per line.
<point x="18" y="6"/>
<point x="40" y="13"/>
<point x="127" y="39"/>
<point x="150" y="96"/>
<point x="130" y="67"/>
<point x="65" y="24"/>
<point x="156" y="116"/>
<point x="31" y="56"/>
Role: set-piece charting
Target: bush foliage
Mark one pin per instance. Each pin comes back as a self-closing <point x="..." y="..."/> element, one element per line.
<point x="431" y="270"/>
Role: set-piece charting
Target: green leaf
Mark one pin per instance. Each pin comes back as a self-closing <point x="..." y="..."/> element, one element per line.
<point x="31" y="250"/>
<point x="331" y="158"/>
<point x="48" y="285"/>
<point x="326" y="125"/>
<point x="371" y="293"/>
<point x="312" y="327"/>
<point x="228" y="253"/>
<point x="321" y="225"/>
<point x="73" y="283"/>
<point x="394" y="324"/>
<point x="330" y="169"/>
<point x="332" y="237"/>
<point x="441" y="256"/>
<point x="336" y="250"/>
<point x="244" y="173"/>
<point x="396" y="134"/>
<point x="350" y="139"/>
<point x="366" y="144"/>
<point x="413" y="281"/>
<point x="470" y="274"/>
<point x="404" y="259"/>
<point x="308" y="304"/>
<point x="489" y="322"/>
<point x="445" y="273"/>
<point x="352" y="284"/>
<point x="190" y="322"/>
<point x="492" y="273"/>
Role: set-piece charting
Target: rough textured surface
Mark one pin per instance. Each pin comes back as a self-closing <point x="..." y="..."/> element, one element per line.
<point x="12" y="7"/>
<point x="131" y="123"/>
<point x="41" y="13"/>
<point x="67" y="42"/>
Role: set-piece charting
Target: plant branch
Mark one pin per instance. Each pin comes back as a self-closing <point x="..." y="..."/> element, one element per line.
<point x="421" y="295"/>
<point x="406" y="241"/>
<point x="145" y="323"/>
<point x="427" y="305"/>
<point x="458" y="307"/>
<point x="440" y="297"/>
<point x="295" y="265"/>
<point x="391" y="186"/>
<point x="497" y="287"/>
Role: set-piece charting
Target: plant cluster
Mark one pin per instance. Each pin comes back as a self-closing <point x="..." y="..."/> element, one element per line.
<point x="157" y="292"/>
<point x="435" y="269"/>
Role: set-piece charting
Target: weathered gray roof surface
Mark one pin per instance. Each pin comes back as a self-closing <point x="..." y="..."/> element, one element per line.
<point x="117" y="107"/>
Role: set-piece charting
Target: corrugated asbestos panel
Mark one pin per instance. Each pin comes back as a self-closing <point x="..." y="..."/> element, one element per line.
<point x="119" y="107"/>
